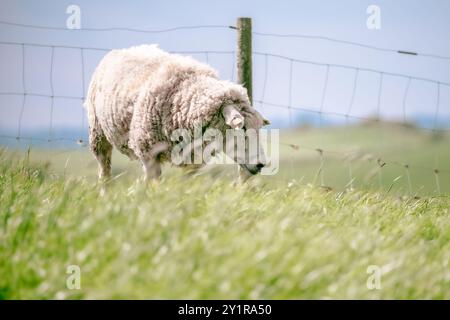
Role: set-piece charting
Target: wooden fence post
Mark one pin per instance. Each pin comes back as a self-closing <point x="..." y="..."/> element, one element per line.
<point x="244" y="55"/>
<point x="244" y="66"/>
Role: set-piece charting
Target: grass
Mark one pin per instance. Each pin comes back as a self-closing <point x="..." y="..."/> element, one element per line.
<point x="204" y="238"/>
<point x="395" y="145"/>
<point x="363" y="144"/>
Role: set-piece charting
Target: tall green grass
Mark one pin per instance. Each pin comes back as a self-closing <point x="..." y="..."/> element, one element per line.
<point x="350" y="159"/>
<point x="204" y="237"/>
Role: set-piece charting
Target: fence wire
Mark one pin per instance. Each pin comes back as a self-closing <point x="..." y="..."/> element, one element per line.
<point x="351" y="43"/>
<point x="320" y="109"/>
<point x="224" y="27"/>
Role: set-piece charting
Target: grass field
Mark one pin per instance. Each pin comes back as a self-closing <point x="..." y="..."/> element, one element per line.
<point x="204" y="237"/>
<point x="355" y="148"/>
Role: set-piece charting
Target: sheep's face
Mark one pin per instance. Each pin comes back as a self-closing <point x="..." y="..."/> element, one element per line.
<point x="246" y="147"/>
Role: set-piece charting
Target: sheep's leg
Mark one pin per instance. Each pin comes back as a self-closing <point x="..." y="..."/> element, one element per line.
<point x="102" y="150"/>
<point x="152" y="169"/>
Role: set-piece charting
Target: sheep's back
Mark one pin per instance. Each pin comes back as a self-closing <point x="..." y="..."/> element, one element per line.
<point x="122" y="76"/>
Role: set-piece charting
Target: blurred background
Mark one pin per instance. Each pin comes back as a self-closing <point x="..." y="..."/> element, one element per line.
<point x="354" y="111"/>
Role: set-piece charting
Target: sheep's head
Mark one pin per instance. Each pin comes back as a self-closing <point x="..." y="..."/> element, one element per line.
<point x="245" y="123"/>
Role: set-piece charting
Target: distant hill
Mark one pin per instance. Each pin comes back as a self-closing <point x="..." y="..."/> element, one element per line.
<point x="314" y="120"/>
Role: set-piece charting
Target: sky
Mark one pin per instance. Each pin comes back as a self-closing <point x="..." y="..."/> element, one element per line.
<point x="411" y="25"/>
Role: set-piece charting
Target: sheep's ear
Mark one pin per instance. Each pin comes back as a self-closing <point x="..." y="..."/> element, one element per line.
<point x="232" y="117"/>
<point x="266" y="122"/>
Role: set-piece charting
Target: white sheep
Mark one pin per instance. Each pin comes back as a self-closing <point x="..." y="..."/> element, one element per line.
<point x="138" y="96"/>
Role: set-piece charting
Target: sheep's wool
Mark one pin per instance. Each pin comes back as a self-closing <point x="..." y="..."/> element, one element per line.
<point x="138" y="96"/>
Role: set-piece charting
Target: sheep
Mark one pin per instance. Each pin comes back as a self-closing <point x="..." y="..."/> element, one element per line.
<point x="139" y="96"/>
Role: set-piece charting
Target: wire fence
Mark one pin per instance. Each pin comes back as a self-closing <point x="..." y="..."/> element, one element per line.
<point x="320" y="110"/>
<point x="262" y="34"/>
<point x="348" y="158"/>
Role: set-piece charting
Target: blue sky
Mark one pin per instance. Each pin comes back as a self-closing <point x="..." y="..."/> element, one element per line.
<point x="421" y="26"/>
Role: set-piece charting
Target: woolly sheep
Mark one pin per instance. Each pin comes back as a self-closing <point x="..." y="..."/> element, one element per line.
<point x="138" y="96"/>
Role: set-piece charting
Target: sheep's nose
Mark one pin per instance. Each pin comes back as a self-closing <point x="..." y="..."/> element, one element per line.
<point x="260" y="165"/>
